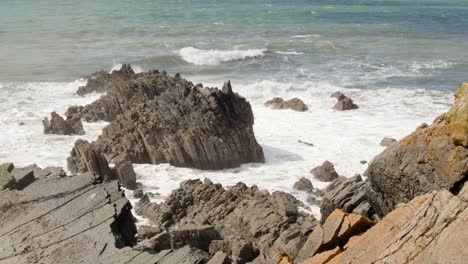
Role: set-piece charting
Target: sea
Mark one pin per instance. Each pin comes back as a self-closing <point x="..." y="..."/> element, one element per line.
<point x="399" y="60"/>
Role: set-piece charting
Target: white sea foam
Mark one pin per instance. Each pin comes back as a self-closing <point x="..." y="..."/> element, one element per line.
<point x="215" y="57"/>
<point x="118" y="66"/>
<point x="344" y="138"/>
<point x="289" y="53"/>
<point x="431" y="65"/>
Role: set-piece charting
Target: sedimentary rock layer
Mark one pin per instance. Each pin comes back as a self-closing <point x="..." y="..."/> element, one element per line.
<point x="157" y="118"/>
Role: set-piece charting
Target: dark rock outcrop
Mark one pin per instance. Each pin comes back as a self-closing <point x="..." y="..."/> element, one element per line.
<point x="304" y="184"/>
<point x="431" y="158"/>
<point x="295" y="104"/>
<point x="325" y="172"/>
<point x="57" y="125"/>
<point x="252" y="225"/>
<point x="85" y="157"/>
<point x="162" y="119"/>
<point x="102" y="81"/>
<point x="387" y="141"/>
<point x="350" y="195"/>
<point x="344" y="102"/>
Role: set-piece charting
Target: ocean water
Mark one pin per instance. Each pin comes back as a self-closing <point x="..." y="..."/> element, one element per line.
<point x="399" y="60"/>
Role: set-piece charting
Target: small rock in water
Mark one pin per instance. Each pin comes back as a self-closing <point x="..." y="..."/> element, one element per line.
<point x="304" y="184"/>
<point x="295" y="104"/>
<point x="138" y="193"/>
<point x="344" y="102"/>
<point x="325" y="172"/>
<point x="363" y="161"/>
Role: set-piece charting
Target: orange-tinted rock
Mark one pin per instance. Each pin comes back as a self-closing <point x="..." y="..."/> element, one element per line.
<point x="323" y="257"/>
<point x="335" y="232"/>
<point x="432" y="228"/>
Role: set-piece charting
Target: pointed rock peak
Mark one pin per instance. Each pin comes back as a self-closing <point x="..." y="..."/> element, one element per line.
<point x="227" y="88"/>
<point x="126" y="68"/>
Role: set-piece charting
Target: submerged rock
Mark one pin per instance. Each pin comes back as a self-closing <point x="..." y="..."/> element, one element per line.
<point x="325" y="172"/>
<point x="57" y="125"/>
<point x="344" y="102"/>
<point x="295" y="104"/>
<point x="251" y="225"/>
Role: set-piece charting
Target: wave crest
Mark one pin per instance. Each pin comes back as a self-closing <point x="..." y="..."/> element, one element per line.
<point x="215" y="57"/>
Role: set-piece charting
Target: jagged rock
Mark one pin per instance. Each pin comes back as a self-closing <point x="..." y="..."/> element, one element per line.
<point x="295" y="104"/>
<point x="325" y="172"/>
<point x="219" y="258"/>
<point x="304" y="184"/>
<point x="350" y="195"/>
<point x="57" y="125"/>
<point x="323" y="257"/>
<point x="335" y="232"/>
<point x="102" y="81"/>
<point x="156" y="118"/>
<point x="266" y="223"/>
<point x="84" y="157"/>
<point x="126" y="174"/>
<point x="387" y="141"/>
<point x="432" y="228"/>
<point x="431" y="158"/>
<point x="344" y="102"/>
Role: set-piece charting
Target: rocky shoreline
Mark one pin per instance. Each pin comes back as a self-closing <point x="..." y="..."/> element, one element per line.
<point x="408" y="207"/>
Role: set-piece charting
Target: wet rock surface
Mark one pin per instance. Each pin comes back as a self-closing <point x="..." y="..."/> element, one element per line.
<point x="295" y="104"/>
<point x="57" y="125"/>
<point x="343" y="102"/>
<point x="244" y="222"/>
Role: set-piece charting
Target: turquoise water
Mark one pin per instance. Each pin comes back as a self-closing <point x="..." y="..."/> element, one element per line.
<point x="347" y="43"/>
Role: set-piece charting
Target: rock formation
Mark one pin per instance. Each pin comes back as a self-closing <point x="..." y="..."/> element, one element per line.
<point x="57" y="125"/>
<point x="334" y="234"/>
<point x="161" y="119"/>
<point x="79" y="219"/>
<point x="325" y="172"/>
<point x="432" y="228"/>
<point x="303" y="184"/>
<point x="244" y="222"/>
<point x="431" y="158"/>
<point x="295" y="104"/>
<point x="350" y="195"/>
<point x="344" y="102"/>
<point x="102" y="81"/>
